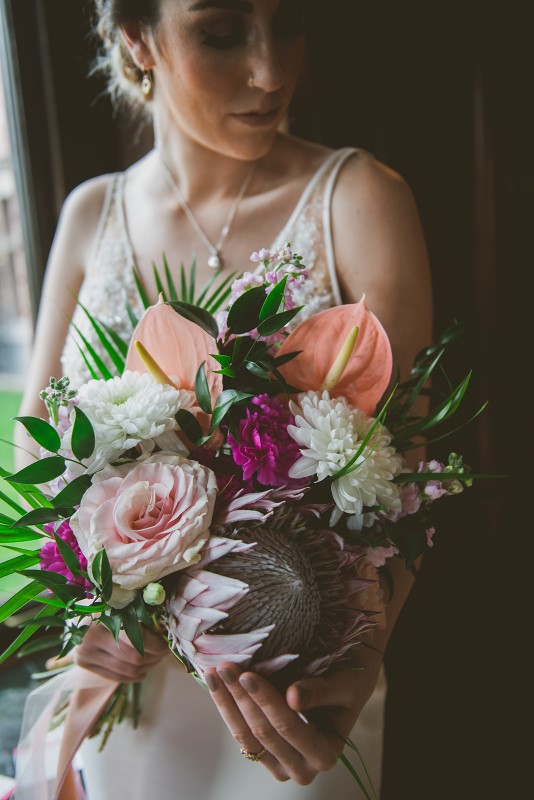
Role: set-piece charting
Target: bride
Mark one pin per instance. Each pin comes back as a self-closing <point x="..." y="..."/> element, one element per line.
<point x="217" y="78"/>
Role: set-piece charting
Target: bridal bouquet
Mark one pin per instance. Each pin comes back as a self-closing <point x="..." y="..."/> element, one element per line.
<point x="237" y="487"/>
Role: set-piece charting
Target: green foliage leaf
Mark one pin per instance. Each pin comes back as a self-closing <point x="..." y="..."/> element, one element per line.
<point x="113" y="623"/>
<point x="100" y="370"/>
<point x="39" y="516"/>
<point x="68" y="555"/>
<point x="57" y="584"/>
<point x="273" y="300"/>
<point x="172" y="293"/>
<point x="132" y="628"/>
<point x="24" y="535"/>
<point x="225" y="401"/>
<point x="83" y="435"/>
<point x="202" y="390"/>
<point x="17" y="565"/>
<point x="43" y="433"/>
<point x="277" y="322"/>
<point x="24" y="636"/>
<point x="281" y="360"/>
<point x="132" y="316"/>
<point x="40" y="644"/>
<point x="105" y="340"/>
<point x="101" y="570"/>
<point x="199" y="316"/>
<point x="93" y="373"/>
<point x="378" y="421"/>
<point x="7" y="499"/>
<point x="219" y="295"/>
<point x="140" y="289"/>
<point x="119" y="343"/>
<point x="47" y="621"/>
<point x="188" y="423"/>
<point x="73" y="492"/>
<point x="192" y="281"/>
<point x="42" y="471"/>
<point x="245" y="312"/>
<point x="257" y="370"/>
<point x="18" y="600"/>
<point x="159" y="284"/>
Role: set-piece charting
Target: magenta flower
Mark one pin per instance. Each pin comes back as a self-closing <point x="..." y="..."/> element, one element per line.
<point x="265" y="448"/>
<point x="51" y="559"/>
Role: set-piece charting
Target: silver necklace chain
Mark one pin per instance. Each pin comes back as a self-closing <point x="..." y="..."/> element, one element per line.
<point x="215" y="261"/>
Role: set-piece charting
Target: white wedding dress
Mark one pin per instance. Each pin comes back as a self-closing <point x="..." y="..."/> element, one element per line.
<point x="182" y="749"/>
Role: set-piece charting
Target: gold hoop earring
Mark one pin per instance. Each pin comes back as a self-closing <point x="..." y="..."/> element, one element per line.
<point x="147" y="84"/>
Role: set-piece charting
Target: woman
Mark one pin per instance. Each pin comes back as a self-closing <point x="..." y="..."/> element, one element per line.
<point x="218" y="77"/>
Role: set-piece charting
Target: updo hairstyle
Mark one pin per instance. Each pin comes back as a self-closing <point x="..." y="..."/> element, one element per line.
<point x="114" y="60"/>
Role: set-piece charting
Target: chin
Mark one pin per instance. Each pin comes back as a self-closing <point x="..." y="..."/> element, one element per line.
<point x="252" y="148"/>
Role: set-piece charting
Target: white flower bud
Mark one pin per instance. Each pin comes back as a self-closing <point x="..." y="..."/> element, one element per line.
<point x="154" y="594"/>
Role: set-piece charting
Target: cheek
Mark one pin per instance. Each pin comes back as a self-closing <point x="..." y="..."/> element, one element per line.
<point x="202" y="79"/>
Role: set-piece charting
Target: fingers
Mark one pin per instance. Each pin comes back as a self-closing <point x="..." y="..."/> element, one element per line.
<point x="336" y="690"/>
<point x="120" y="661"/>
<point x="317" y="751"/>
<point x="260" y="712"/>
<point x="238" y="725"/>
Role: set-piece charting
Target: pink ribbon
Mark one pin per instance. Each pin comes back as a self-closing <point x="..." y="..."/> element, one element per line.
<point x="87" y="695"/>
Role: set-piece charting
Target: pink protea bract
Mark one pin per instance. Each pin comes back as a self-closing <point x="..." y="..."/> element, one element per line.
<point x="269" y="595"/>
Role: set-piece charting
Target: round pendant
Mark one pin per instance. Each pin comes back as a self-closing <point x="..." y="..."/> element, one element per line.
<point x="215" y="261"/>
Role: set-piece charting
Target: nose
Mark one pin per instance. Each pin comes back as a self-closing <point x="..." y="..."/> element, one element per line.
<point x="266" y="69"/>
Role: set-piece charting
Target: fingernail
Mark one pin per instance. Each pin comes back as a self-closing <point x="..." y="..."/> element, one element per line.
<point x="248" y="685"/>
<point x="227" y="675"/>
<point x="211" y="680"/>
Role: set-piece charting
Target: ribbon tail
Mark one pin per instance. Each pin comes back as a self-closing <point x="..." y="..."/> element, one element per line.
<point x="82" y="695"/>
<point x="85" y="707"/>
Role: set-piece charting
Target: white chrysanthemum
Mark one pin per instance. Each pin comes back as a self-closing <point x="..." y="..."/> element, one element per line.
<point x="329" y="433"/>
<point x="133" y="409"/>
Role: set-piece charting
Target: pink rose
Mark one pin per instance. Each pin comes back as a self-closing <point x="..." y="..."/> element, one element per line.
<point x="151" y="516"/>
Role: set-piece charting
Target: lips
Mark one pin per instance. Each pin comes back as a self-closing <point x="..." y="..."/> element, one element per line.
<point x="258" y="118"/>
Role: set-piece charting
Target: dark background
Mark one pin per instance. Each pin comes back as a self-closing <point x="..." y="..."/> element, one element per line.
<point x="441" y="92"/>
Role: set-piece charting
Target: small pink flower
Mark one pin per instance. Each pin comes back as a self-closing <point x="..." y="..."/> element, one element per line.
<point x="434" y="490"/>
<point x="151" y="516"/>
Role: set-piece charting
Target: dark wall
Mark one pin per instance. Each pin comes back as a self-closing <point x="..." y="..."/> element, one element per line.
<point x="441" y="93"/>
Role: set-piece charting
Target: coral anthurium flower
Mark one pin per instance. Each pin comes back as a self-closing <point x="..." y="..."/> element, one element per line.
<point x="322" y="337"/>
<point x="178" y="345"/>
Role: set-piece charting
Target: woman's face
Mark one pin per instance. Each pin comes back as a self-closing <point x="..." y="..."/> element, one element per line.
<point x="226" y="70"/>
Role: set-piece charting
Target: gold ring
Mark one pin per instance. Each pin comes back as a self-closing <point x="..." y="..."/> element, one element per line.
<point x="253" y="756"/>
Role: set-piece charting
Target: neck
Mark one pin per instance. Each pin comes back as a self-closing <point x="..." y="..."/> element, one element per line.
<point x="201" y="173"/>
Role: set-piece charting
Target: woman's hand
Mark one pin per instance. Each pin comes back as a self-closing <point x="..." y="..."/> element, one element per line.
<point x="120" y="662"/>
<point x="259" y="717"/>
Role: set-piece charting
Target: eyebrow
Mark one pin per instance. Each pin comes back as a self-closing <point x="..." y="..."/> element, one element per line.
<point x="234" y="5"/>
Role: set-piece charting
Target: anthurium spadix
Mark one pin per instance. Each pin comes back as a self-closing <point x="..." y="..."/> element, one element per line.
<point x="181" y="348"/>
<point x="327" y="341"/>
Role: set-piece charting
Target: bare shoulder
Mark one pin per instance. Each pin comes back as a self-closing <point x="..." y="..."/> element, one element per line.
<point x="370" y="190"/>
<point x="380" y="251"/>
<point x="82" y="209"/>
<point x="376" y="227"/>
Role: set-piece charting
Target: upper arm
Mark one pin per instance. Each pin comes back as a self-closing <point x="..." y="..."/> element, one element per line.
<point x="65" y="271"/>
<point x="380" y="251"/>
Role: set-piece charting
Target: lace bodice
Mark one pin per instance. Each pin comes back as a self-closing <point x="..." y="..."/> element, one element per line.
<point x="109" y="284"/>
